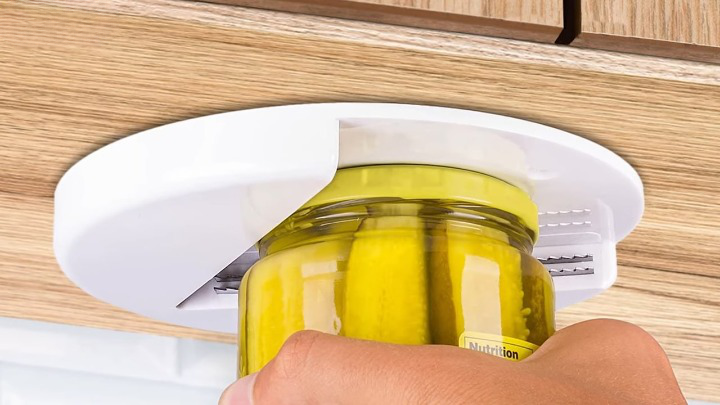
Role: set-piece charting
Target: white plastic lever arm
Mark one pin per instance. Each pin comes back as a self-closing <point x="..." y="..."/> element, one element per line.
<point x="182" y="201"/>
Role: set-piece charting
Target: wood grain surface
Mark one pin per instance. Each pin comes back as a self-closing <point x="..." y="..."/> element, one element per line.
<point x="76" y="75"/>
<point x="688" y="29"/>
<point x="535" y="20"/>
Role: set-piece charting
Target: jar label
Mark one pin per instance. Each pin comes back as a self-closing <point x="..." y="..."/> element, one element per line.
<point x="497" y="345"/>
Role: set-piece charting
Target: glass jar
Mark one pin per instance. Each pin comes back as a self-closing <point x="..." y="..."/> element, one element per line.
<point x="403" y="254"/>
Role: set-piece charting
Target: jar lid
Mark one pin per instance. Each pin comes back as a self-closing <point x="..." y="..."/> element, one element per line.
<point x="418" y="182"/>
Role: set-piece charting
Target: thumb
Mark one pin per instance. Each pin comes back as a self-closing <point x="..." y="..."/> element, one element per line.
<point x="314" y="367"/>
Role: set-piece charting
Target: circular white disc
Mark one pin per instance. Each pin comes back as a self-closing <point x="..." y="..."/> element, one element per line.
<point x="146" y="222"/>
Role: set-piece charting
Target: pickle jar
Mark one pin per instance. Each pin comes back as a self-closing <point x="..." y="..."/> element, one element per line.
<point x="404" y="254"/>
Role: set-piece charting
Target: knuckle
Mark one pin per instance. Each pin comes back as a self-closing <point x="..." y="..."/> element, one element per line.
<point x="629" y="333"/>
<point x="292" y="359"/>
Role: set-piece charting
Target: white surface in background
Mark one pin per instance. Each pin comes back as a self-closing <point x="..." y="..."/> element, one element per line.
<point x="47" y="364"/>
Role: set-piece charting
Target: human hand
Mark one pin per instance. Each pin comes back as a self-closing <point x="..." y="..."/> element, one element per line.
<point x="600" y="361"/>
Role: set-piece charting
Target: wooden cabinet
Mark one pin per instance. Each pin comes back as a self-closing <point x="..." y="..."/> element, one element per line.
<point x="535" y="20"/>
<point x="76" y="75"/>
<point x="685" y="29"/>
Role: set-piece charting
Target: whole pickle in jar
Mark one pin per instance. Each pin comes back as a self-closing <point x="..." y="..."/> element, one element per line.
<point x="476" y="284"/>
<point x="386" y="283"/>
<point x="295" y="289"/>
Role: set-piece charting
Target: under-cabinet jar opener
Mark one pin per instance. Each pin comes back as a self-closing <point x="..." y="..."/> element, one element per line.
<point x="164" y="223"/>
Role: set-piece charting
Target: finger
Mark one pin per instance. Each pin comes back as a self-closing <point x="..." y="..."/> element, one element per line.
<point x="313" y="367"/>
<point x="240" y="392"/>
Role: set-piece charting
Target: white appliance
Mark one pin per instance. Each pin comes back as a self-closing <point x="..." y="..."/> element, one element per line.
<point x="163" y="223"/>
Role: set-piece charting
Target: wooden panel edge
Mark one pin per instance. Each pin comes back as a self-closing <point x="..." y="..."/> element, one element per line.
<point x="650" y="47"/>
<point x="407" y="17"/>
